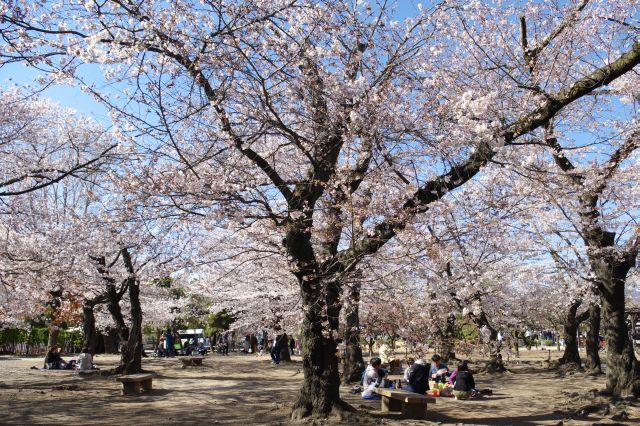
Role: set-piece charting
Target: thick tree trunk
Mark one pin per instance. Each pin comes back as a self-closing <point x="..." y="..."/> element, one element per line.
<point x="285" y="354"/>
<point x="447" y="350"/>
<point x="623" y="371"/>
<point x="113" y="305"/>
<point x="89" y="328"/>
<point x="54" y="332"/>
<point x="54" y="321"/>
<point x="320" y="393"/>
<point x="592" y="363"/>
<point x="611" y="266"/>
<point x="113" y="296"/>
<point x="495" y="364"/>
<point x="516" y="343"/>
<point x="110" y="341"/>
<point x="571" y="323"/>
<point x="131" y="356"/>
<point x="353" y="361"/>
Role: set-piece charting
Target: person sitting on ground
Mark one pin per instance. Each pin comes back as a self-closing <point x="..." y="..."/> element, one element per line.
<point x="454" y="373"/>
<point x="419" y="377"/>
<point x="85" y="360"/>
<point x="439" y="370"/>
<point x="452" y="376"/>
<point x="465" y="384"/>
<point x="385" y="353"/>
<point x="372" y="378"/>
<point x="53" y="360"/>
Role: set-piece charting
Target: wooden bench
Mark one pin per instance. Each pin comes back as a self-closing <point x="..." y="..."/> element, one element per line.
<point x="132" y="383"/>
<point x="411" y="405"/>
<point x="191" y="360"/>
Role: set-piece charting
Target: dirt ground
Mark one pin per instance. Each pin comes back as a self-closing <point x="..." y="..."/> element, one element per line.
<point x="248" y="390"/>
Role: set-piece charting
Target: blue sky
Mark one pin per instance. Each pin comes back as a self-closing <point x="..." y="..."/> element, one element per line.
<point x="17" y="74"/>
<point x="20" y="75"/>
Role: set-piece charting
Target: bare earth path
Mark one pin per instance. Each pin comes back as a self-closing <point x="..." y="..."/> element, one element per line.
<point x="248" y="390"/>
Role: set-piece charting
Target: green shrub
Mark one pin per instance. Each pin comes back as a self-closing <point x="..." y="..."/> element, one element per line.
<point x="10" y="336"/>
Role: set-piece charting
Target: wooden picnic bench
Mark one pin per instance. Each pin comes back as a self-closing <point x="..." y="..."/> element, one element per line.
<point x="411" y="405"/>
<point x="132" y="383"/>
<point x="191" y="360"/>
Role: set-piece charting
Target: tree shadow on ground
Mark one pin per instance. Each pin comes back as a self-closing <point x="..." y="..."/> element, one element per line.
<point x="243" y="390"/>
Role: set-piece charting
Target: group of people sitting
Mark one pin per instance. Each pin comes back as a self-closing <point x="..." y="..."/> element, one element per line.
<point x="418" y="375"/>
<point x="53" y="360"/>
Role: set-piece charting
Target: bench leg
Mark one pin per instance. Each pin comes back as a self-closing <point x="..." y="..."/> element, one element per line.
<point x="414" y="411"/>
<point x="146" y="385"/>
<point x="130" y="388"/>
<point x="390" y="404"/>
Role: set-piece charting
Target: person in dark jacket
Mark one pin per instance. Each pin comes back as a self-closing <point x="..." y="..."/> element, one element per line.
<point x="53" y="360"/>
<point x="419" y="376"/>
<point x="464" y="382"/>
<point x="278" y="344"/>
<point x="169" y="343"/>
<point x="292" y="345"/>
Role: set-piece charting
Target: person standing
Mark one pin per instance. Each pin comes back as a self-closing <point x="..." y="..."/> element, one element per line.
<point x="275" y="349"/>
<point x="245" y="344"/>
<point x="224" y="343"/>
<point x="169" y="343"/>
<point x="292" y="345"/>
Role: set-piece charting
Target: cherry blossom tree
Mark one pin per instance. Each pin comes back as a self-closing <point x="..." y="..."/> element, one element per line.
<point x="332" y="124"/>
<point x="597" y="198"/>
<point x="83" y="240"/>
<point x="42" y="143"/>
